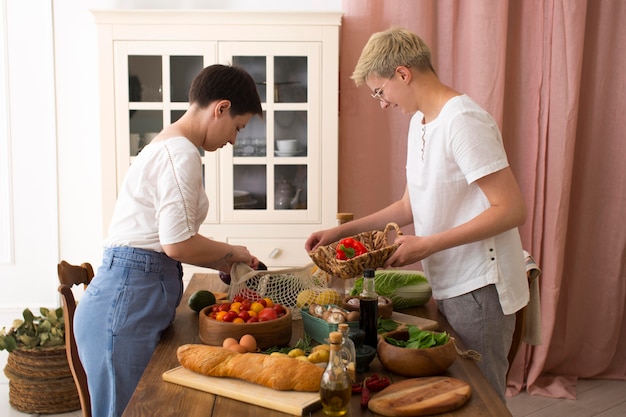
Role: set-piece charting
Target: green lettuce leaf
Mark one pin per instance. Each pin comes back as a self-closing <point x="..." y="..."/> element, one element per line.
<point x="389" y="282"/>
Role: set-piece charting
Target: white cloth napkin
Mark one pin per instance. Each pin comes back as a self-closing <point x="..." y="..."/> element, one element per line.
<point x="532" y="321"/>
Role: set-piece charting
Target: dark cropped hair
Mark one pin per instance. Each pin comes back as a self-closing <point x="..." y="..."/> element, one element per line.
<point x="225" y="82"/>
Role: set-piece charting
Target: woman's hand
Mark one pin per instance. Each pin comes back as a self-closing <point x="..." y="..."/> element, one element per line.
<point x="412" y="249"/>
<point x="321" y="238"/>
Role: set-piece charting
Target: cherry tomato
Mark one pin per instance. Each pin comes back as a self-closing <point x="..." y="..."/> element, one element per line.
<point x="230" y="316"/>
<point x="267" y="314"/>
<point x="280" y="310"/>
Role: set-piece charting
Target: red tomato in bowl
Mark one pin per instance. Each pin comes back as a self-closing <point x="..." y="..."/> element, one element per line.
<point x="267" y="314"/>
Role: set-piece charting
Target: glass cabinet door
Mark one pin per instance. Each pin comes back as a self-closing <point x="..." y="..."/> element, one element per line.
<point x="152" y="86"/>
<point x="275" y="162"/>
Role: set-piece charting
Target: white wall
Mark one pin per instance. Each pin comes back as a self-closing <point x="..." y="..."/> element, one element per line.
<point x="53" y="142"/>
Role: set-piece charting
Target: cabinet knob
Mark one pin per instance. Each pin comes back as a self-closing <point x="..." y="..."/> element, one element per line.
<point x="274" y="254"/>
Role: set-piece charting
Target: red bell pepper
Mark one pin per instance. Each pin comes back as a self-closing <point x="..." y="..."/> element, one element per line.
<point x="348" y="248"/>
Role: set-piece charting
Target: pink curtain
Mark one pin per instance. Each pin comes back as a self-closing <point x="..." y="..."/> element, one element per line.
<point x="552" y="74"/>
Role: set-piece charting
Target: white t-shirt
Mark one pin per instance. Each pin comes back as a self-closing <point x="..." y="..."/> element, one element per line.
<point x="162" y="199"/>
<point x="460" y="146"/>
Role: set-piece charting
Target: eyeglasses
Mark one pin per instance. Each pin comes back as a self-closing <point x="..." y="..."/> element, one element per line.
<point x="378" y="92"/>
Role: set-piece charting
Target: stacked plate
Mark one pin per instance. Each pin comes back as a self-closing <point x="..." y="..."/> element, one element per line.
<point x="289" y="153"/>
<point x="243" y="199"/>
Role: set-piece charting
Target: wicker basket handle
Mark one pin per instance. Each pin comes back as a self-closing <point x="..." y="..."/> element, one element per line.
<point x="383" y="237"/>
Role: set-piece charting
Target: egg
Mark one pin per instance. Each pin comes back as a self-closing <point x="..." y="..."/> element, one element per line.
<point x="249" y="342"/>
<point x="229" y="341"/>
<point x="237" y="348"/>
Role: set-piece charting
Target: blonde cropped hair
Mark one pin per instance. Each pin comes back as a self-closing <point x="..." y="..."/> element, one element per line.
<point x="385" y="51"/>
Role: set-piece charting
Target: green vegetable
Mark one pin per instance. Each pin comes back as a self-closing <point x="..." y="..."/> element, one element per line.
<point x="200" y="299"/>
<point x="420" y="339"/>
<point x="34" y="331"/>
<point x="304" y="344"/>
<point x="404" y="288"/>
<point x="387" y="325"/>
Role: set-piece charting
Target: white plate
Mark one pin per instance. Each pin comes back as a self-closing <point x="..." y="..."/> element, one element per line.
<point x="245" y="204"/>
<point x="288" y="153"/>
<point x="240" y="193"/>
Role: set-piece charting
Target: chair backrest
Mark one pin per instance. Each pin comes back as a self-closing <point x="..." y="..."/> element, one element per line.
<point x="70" y="275"/>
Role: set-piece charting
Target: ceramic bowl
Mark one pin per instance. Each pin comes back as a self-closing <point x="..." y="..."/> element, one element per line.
<point x="267" y="333"/>
<point x="365" y="354"/>
<point x="414" y="362"/>
<point x="287" y="145"/>
<point x="385" y="310"/>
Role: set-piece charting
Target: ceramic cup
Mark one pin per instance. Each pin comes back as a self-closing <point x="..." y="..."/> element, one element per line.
<point x="287" y="145"/>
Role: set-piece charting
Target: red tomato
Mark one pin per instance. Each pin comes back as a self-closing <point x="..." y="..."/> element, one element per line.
<point x="238" y="298"/>
<point x="267" y="314"/>
<point x="252" y="320"/>
<point x="244" y="315"/>
<point x="280" y="310"/>
<point x="230" y="316"/>
<point x="223" y="307"/>
<point x="245" y="305"/>
<point x="262" y="301"/>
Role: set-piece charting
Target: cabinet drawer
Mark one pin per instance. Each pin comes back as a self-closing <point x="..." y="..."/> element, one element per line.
<point x="287" y="252"/>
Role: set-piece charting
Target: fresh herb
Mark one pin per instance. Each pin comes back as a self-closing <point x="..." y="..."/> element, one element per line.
<point x="420" y="339"/>
<point x="33" y="331"/>
<point x="387" y="325"/>
<point x="304" y="344"/>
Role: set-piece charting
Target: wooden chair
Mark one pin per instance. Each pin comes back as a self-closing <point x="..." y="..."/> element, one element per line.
<point x="70" y="275"/>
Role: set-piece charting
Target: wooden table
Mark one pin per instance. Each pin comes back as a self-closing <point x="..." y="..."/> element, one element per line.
<point x="155" y="397"/>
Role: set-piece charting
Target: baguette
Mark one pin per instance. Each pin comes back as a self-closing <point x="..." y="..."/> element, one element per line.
<point x="277" y="372"/>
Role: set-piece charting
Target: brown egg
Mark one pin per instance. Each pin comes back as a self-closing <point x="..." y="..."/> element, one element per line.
<point x="237" y="348"/>
<point x="249" y="342"/>
<point x="229" y="341"/>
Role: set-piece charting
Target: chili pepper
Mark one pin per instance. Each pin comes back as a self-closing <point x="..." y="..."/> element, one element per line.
<point x="365" y="395"/>
<point x="375" y="383"/>
<point x="357" y="388"/>
<point x="348" y="248"/>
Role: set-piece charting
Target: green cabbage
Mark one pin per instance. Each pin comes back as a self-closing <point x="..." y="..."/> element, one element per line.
<point x="389" y="283"/>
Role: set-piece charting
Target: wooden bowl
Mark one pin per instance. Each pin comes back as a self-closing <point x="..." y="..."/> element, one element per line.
<point x="351" y="303"/>
<point x="414" y="362"/>
<point x="267" y="333"/>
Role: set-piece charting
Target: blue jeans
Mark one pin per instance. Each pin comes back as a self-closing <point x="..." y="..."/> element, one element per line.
<point x="119" y="321"/>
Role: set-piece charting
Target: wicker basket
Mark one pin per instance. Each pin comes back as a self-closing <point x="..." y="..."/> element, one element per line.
<point x="378" y="250"/>
<point x="40" y="381"/>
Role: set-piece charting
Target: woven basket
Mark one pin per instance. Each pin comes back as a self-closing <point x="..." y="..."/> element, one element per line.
<point x="378" y="251"/>
<point x="40" y="381"/>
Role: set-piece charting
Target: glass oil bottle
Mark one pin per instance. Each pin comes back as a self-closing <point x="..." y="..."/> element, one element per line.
<point x="349" y="350"/>
<point x="368" y="302"/>
<point x="335" y="385"/>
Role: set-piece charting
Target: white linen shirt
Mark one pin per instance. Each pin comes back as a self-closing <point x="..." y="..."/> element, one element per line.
<point x="460" y="146"/>
<point x="162" y="200"/>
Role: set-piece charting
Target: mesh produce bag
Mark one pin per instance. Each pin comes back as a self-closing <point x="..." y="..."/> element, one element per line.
<point x="285" y="286"/>
<point x="378" y="250"/>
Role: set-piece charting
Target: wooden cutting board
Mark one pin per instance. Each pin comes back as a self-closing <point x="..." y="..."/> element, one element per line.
<point x="421" y="397"/>
<point x="422" y="323"/>
<point x="291" y="402"/>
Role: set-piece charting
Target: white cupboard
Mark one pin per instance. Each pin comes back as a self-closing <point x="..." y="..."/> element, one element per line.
<point x="262" y="196"/>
